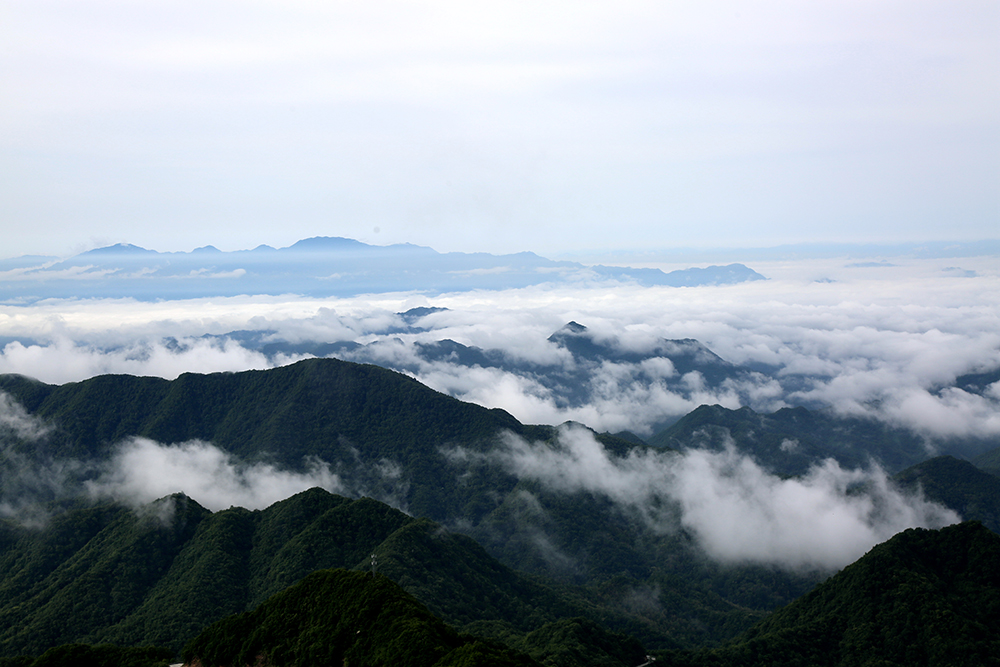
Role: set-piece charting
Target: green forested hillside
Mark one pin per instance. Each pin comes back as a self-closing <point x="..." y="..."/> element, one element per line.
<point x="664" y="578"/>
<point x="359" y="417"/>
<point x="87" y="655"/>
<point x="336" y="617"/>
<point x="989" y="462"/>
<point x="321" y="408"/>
<point x="959" y="485"/>
<point x="924" y="597"/>
<point x="160" y="575"/>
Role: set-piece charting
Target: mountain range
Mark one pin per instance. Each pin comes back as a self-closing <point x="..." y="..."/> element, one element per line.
<point x="315" y="267"/>
<point x="487" y="543"/>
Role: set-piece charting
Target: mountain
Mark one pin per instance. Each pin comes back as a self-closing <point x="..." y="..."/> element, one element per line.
<point x="86" y="655"/>
<point x="335" y="617"/>
<point x="989" y="462"/>
<point x="637" y="569"/>
<point x="578" y="375"/>
<point x="387" y="436"/>
<point x="160" y="574"/>
<point x="319" y="267"/>
<point x="922" y="598"/>
<point x="340" y="617"/>
<point x="355" y="414"/>
<point x="956" y="484"/>
<point x="790" y="440"/>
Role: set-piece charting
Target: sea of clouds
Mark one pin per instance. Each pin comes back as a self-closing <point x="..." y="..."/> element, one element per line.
<point x="881" y="339"/>
<point x="887" y="341"/>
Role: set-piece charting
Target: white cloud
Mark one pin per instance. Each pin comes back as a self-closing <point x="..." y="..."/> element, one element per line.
<point x="737" y="511"/>
<point x="15" y="419"/>
<point x="142" y="471"/>
<point x="874" y="341"/>
<point x="64" y="361"/>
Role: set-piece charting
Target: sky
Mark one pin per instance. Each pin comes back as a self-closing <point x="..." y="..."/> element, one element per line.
<point x="555" y="127"/>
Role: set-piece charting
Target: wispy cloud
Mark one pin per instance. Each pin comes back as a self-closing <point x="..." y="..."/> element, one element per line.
<point x="63" y="360"/>
<point x="738" y="512"/>
<point x="34" y="474"/>
<point x="142" y="471"/>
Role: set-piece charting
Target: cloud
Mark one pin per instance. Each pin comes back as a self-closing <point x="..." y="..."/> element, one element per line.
<point x="737" y="511"/>
<point x="34" y="479"/>
<point x="885" y="342"/>
<point x="17" y="421"/>
<point x="29" y="479"/>
<point x="142" y="471"/>
<point x="64" y="361"/>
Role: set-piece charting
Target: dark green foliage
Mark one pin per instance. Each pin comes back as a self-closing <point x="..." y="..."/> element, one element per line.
<point x="76" y="591"/>
<point x="959" y="485"/>
<point x="19" y="661"/>
<point x="161" y="576"/>
<point x="342" y="536"/>
<point x="108" y="575"/>
<point x="460" y="581"/>
<point x="104" y="655"/>
<point x="577" y="641"/>
<point x="989" y="462"/>
<point x="206" y="580"/>
<point x="356" y="417"/>
<point x="922" y="598"/>
<point x="34" y="555"/>
<point x="666" y="592"/>
<point x="335" y="617"/>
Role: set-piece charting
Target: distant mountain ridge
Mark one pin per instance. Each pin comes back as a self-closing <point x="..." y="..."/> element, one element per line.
<point x="316" y="267"/>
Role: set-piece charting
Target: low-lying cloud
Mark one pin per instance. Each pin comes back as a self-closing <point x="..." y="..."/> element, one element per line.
<point x="17" y="422"/>
<point x="35" y="479"/>
<point x="142" y="471"/>
<point x="737" y="511"/>
<point x="63" y="360"/>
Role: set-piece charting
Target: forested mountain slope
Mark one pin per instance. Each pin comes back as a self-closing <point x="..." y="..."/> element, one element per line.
<point x="161" y="574"/>
<point x="336" y="617"/>
<point x="339" y="412"/>
<point x="628" y="561"/>
<point x="957" y="484"/>
<point x="923" y="598"/>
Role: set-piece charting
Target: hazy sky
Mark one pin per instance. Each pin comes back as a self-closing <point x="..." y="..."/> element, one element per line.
<point x="504" y="126"/>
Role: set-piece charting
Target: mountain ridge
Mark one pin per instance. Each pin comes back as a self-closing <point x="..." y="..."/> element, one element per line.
<point x="317" y="266"/>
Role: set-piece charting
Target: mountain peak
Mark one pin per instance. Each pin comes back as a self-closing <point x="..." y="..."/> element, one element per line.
<point x="119" y="249"/>
<point x="571" y="328"/>
<point x="323" y="243"/>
